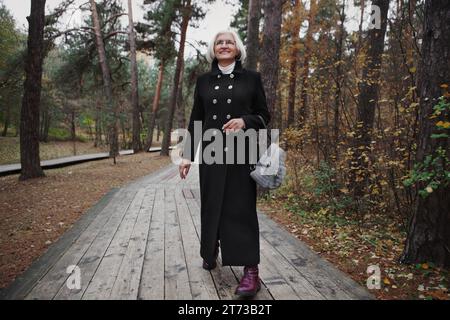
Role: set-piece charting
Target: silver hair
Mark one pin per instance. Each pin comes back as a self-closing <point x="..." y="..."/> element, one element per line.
<point x="242" y="53"/>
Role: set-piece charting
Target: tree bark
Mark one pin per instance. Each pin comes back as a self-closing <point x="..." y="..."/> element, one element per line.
<point x="45" y="124"/>
<point x="7" y="117"/>
<point x="187" y="12"/>
<point x="254" y="16"/>
<point x="112" y="112"/>
<point x="29" y="118"/>
<point x="134" y="82"/>
<point x="270" y="53"/>
<point x="338" y="81"/>
<point x="303" y="112"/>
<point x="154" y="111"/>
<point x="72" y="125"/>
<point x="98" y="124"/>
<point x="293" y="63"/>
<point x="429" y="229"/>
<point x="181" y="118"/>
<point x="367" y="102"/>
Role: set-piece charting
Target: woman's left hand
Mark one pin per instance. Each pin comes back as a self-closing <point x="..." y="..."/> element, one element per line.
<point x="234" y="125"/>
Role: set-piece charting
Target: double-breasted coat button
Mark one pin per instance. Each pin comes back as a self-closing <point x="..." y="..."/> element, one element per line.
<point x="230" y="86"/>
<point x="228" y="116"/>
<point x="214" y="132"/>
<point x="228" y="100"/>
<point x="225" y="149"/>
<point x="216" y="87"/>
<point x="214" y="117"/>
<point x="218" y="76"/>
<point x="214" y="101"/>
<point x="231" y="76"/>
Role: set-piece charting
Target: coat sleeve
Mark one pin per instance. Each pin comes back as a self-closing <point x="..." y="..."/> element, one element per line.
<point x="197" y="114"/>
<point x="259" y="107"/>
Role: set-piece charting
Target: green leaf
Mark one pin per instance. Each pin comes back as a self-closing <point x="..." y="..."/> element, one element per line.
<point x="439" y="135"/>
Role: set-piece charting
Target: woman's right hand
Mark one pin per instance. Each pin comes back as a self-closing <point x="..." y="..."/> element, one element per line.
<point x="184" y="167"/>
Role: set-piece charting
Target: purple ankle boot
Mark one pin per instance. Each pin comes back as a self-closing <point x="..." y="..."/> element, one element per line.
<point x="250" y="283"/>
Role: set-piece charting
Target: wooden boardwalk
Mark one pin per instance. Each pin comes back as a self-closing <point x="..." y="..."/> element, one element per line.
<point x="142" y="242"/>
<point x="14" y="168"/>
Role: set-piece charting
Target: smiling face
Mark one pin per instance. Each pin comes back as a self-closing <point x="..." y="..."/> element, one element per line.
<point x="225" y="48"/>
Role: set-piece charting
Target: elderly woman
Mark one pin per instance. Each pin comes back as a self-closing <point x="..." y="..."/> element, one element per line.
<point x="227" y="100"/>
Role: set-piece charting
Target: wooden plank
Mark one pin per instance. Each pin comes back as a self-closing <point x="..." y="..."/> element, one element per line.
<point x="176" y="279"/>
<point x="187" y="194"/>
<point x="275" y="282"/>
<point x="302" y="288"/>
<point x="91" y="260"/>
<point x="151" y="286"/>
<point x="111" y="251"/>
<point x="330" y="282"/>
<point x="111" y="216"/>
<point x="127" y="282"/>
<point x="153" y="178"/>
<point x="224" y="279"/>
<point x="202" y="285"/>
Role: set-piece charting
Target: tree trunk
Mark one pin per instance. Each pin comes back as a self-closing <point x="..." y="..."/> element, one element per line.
<point x="112" y="112"/>
<point x="429" y="230"/>
<point x="187" y="11"/>
<point x="7" y="117"/>
<point x="270" y="52"/>
<point x="45" y="124"/>
<point x="269" y="60"/>
<point x="72" y="125"/>
<point x="303" y="112"/>
<point x="154" y="111"/>
<point x="361" y="20"/>
<point x="338" y="81"/>
<point x="181" y="118"/>
<point x="98" y="124"/>
<point x="293" y="63"/>
<point x="29" y="118"/>
<point x="134" y="82"/>
<point x="368" y="100"/>
<point x="158" y="131"/>
<point x="254" y="15"/>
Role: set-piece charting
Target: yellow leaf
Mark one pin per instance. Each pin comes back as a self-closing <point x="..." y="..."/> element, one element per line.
<point x="412" y="70"/>
<point x="443" y="124"/>
<point x="386" y="281"/>
<point x="444" y="86"/>
<point x="425" y="266"/>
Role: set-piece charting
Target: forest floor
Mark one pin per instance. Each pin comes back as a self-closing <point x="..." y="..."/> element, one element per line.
<point x="353" y="247"/>
<point x="36" y="212"/>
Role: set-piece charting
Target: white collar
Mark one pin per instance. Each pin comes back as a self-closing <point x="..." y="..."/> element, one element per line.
<point x="228" y="69"/>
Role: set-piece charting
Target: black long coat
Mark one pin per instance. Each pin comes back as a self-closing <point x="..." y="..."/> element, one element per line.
<point x="228" y="193"/>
